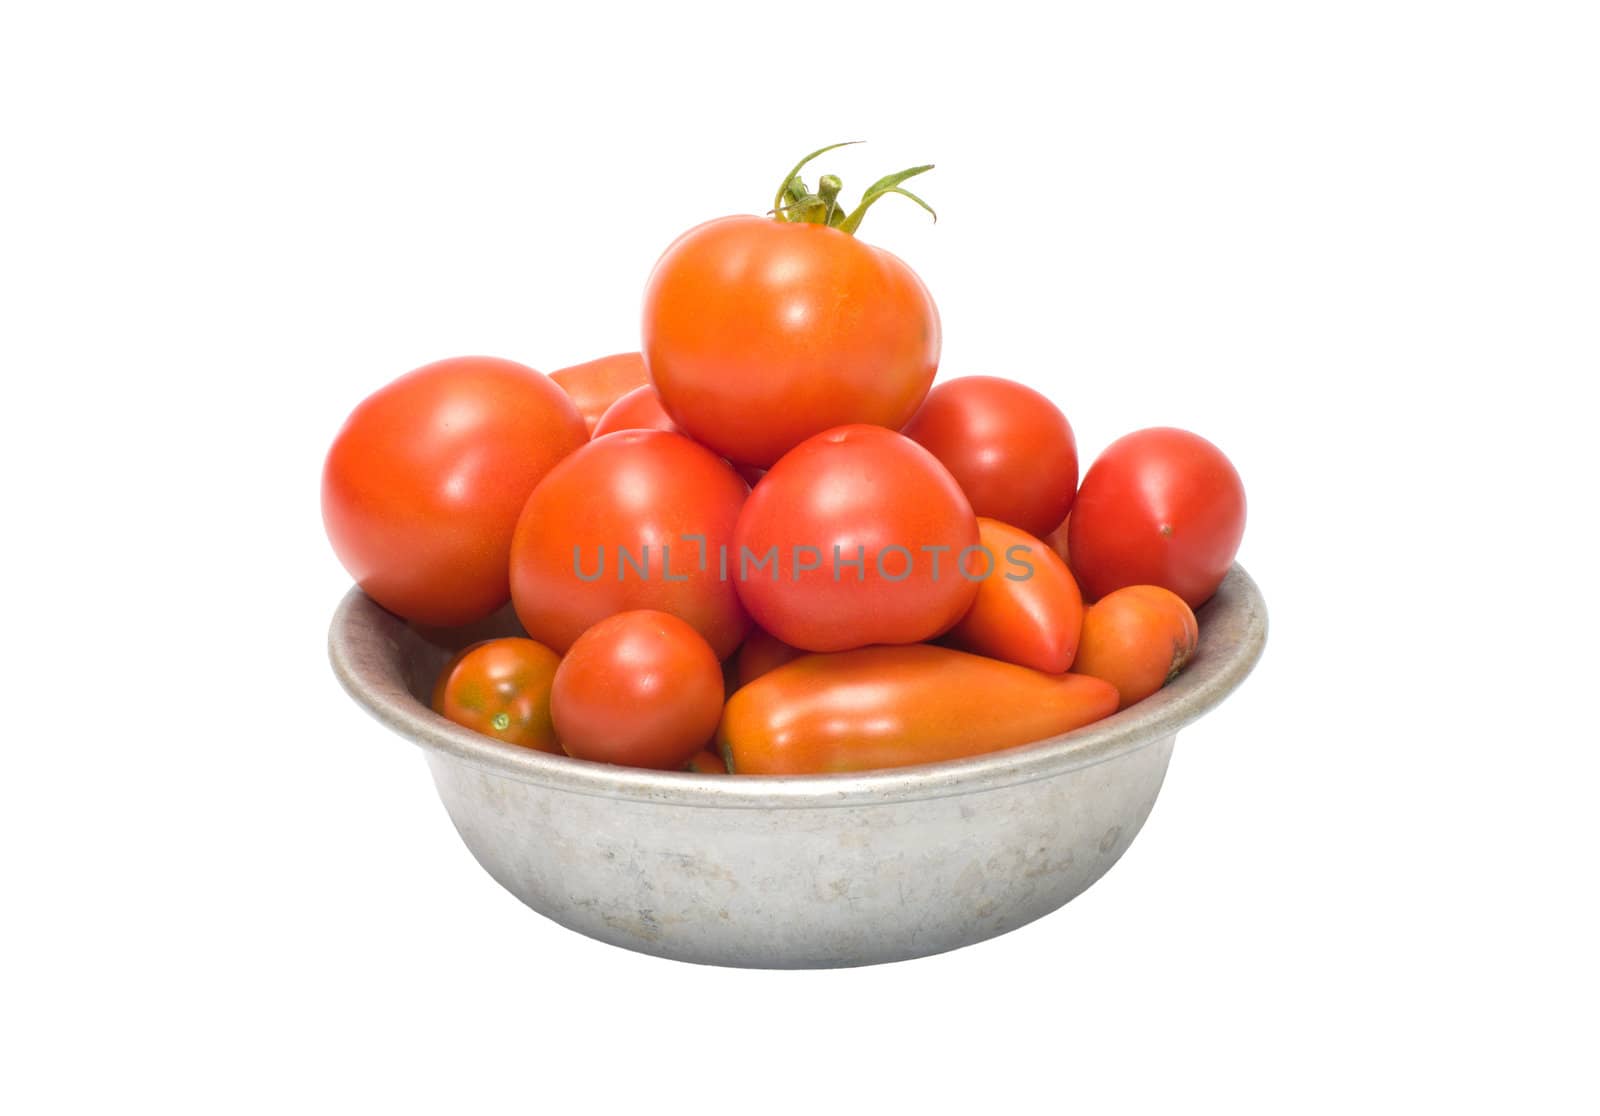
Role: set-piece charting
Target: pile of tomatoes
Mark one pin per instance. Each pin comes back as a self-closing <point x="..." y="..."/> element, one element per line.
<point x="769" y="543"/>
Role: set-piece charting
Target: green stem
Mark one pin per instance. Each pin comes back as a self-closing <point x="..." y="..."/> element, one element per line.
<point x="795" y="204"/>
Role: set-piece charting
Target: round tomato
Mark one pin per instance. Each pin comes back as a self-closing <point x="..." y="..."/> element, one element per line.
<point x="423" y="485"/>
<point x="1158" y="507"/>
<point x="1138" y="638"/>
<point x="501" y="688"/>
<point x="635" y="520"/>
<point x="639" y="688"/>
<point x="596" y="384"/>
<point x="1011" y="450"/>
<point x="856" y="536"/>
<point x="639" y="409"/>
<point x="1028" y="610"/>
<point x="760" y="333"/>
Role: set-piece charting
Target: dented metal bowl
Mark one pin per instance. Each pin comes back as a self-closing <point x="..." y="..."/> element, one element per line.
<point x="795" y="871"/>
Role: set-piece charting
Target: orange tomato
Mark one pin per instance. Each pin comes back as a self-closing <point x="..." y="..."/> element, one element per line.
<point x="1137" y="638"/>
<point x="881" y="707"/>
<point x="1028" y="610"/>
<point x="596" y="384"/>
<point x="501" y="688"/>
<point x="639" y="409"/>
<point x="707" y="763"/>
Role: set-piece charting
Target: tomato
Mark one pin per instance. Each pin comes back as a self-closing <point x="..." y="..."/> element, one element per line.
<point x="639" y="409"/>
<point x="501" y="688"/>
<point x="423" y="485"/>
<point x="893" y="706"/>
<point x="761" y="652"/>
<point x="707" y="763"/>
<point x="759" y="334"/>
<point x="1028" y="610"/>
<point x="1158" y="507"/>
<point x="1011" y="450"/>
<point x="855" y="537"/>
<point x="639" y="688"/>
<point x="634" y="520"/>
<point x="596" y="384"/>
<point x="1138" y="638"/>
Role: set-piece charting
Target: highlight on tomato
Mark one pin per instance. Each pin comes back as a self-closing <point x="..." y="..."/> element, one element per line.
<point x="501" y="688"/>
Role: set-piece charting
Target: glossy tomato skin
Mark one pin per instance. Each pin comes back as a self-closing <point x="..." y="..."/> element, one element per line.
<point x="898" y="522"/>
<point x="639" y="688"/>
<point x="1028" y="610"/>
<point x="639" y="409"/>
<point x="501" y="688"/>
<point x="1158" y="507"/>
<point x="629" y="491"/>
<point x="1138" y="638"/>
<point x="596" y="384"/>
<point x="1011" y="449"/>
<point x="759" y="334"/>
<point x="882" y="707"/>
<point x="423" y="485"/>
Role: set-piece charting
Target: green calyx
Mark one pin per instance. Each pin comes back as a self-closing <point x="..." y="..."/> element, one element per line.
<point x="796" y="204"/>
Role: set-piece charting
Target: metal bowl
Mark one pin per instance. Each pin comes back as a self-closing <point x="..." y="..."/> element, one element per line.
<point x="805" y="871"/>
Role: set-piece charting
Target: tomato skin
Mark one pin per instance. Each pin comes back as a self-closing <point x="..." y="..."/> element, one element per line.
<point x="762" y="652"/>
<point x="863" y="491"/>
<point x="1010" y="449"/>
<point x="759" y="334"/>
<point x="423" y="485"/>
<point x="639" y="688"/>
<point x="1028" y="610"/>
<point x="629" y="490"/>
<point x="639" y="409"/>
<point x="879" y="707"/>
<point x="596" y="384"/>
<point x="707" y="763"/>
<point x="1158" y="507"/>
<point x="501" y="688"/>
<point x="1138" y="638"/>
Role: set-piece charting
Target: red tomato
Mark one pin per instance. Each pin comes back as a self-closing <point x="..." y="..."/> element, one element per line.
<point x="855" y="537"/>
<point x="596" y="384"/>
<point x="1158" y="507"/>
<point x="639" y="409"/>
<point x="1137" y="638"/>
<point x="1010" y="449"/>
<point x="639" y="688"/>
<point x="423" y="485"/>
<point x="501" y="688"/>
<point x="1028" y="610"/>
<point x="636" y="519"/>
<point x="761" y="652"/>
<point x="759" y="334"/>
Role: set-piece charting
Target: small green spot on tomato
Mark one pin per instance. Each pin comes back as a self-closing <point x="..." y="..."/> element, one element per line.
<point x="1166" y="530"/>
<point x="501" y="722"/>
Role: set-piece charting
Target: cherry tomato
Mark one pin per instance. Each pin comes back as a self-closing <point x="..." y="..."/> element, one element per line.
<point x="1011" y="450"/>
<point x="1138" y="638"/>
<point x="856" y="536"/>
<point x="637" y="519"/>
<point x="759" y="334"/>
<point x="639" y="688"/>
<point x="639" y="409"/>
<point x="423" y="485"/>
<point x="596" y="384"/>
<point x="893" y="706"/>
<point x="501" y="688"/>
<point x="707" y="763"/>
<point x="1028" y="610"/>
<point x="761" y="652"/>
<point x="1158" y="507"/>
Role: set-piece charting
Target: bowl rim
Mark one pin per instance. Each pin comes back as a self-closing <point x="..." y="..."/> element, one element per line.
<point x="364" y="649"/>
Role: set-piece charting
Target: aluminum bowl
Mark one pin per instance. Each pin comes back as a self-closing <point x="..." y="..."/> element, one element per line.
<point x="795" y="871"/>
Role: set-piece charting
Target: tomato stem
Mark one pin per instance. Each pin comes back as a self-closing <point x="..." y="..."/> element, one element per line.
<point x="794" y="203"/>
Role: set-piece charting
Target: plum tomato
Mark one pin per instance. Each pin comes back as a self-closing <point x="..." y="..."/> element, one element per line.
<point x="640" y="688"/>
<point x="596" y="384"/>
<point x="639" y="409"/>
<point x="858" y="535"/>
<point x="635" y="520"/>
<point x="501" y="688"/>
<point x="1158" y="507"/>
<point x="1138" y="638"/>
<point x="1028" y="610"/>
<point x="1010" y="449"/>
<point x="423" y="485"/>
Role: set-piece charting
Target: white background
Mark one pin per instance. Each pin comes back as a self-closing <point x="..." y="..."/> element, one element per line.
<point x="1354" y="244"/>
